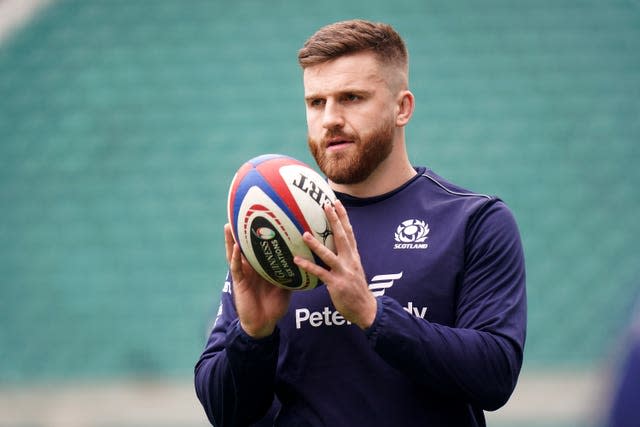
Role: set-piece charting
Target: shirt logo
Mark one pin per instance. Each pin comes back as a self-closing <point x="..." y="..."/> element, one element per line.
<point x="329" y="316"/>
<point x="382" y="282"/>
<point x="411" y="234"/>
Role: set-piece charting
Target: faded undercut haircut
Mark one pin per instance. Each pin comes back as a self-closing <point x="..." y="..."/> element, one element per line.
<point x="354" y="36"/>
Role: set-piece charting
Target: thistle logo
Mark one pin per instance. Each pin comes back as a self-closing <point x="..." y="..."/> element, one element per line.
<point x="411" y="234"/>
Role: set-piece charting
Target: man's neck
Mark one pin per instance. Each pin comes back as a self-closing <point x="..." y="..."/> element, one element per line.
<point x="387" y="177"/>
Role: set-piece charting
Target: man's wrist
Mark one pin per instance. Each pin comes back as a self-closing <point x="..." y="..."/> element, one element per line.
<point x="369" y="315"/>
<point x="258" y="332"/>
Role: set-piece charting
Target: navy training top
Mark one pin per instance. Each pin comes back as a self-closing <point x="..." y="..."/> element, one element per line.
<point x="447" y="269"/>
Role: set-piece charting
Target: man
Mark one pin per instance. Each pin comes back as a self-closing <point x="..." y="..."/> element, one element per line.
<point x="422" y="318"/>
<point x="623" y="410"/>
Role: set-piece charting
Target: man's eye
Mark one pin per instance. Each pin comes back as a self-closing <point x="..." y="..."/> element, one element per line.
<point x="351" y="97"/>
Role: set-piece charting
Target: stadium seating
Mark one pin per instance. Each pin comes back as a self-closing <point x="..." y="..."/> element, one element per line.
<point x="122" y="122"/>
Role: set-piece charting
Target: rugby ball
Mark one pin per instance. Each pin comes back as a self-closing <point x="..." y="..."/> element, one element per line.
<point x="273" y="200"/>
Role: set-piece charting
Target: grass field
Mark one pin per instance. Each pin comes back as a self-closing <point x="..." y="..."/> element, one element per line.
<point x="542" y="399"/>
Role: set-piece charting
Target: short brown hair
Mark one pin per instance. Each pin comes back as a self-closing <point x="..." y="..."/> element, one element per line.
<point x="353" y="36"/>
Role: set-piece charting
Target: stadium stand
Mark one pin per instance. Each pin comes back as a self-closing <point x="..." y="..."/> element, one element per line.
<point x="122" y="122"/>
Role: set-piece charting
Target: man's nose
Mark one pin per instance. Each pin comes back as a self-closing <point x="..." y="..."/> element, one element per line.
<point x="332" y="115"/>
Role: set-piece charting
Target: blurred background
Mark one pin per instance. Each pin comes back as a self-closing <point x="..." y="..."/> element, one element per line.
<point x="123" y="121"/>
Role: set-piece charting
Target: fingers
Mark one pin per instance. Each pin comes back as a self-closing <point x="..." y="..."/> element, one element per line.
<point x="341" y="227"/>
<point x="343" y="238"/>
<point x="312" y="268"/>
<point x="235" y="265"/>
<point x="341" y="212"/>
<point x="318" y="248"/>
<point x="228" y="241"/>
<point x="324" y="253"/>
<point x="342" y="216"/>
<point x="234" y="255"/>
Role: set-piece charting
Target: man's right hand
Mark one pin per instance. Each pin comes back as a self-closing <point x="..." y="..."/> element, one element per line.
<point x="260" y="304"/>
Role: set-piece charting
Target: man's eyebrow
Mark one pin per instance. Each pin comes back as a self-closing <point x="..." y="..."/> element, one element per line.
<point x="344" y="91"/>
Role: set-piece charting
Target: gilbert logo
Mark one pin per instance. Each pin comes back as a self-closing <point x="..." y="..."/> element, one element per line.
<point x="314" y="191"/>
<point x="411" y="234"/>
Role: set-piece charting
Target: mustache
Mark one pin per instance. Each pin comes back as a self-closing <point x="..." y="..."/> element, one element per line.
<point x="337" y="134"/>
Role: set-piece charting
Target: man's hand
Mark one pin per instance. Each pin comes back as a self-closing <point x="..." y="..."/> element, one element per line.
<point x="259" y="303"/>
<point x="344" y="278"/>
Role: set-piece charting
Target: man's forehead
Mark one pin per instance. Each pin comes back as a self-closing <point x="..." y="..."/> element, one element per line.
<point x="351" y="72"/>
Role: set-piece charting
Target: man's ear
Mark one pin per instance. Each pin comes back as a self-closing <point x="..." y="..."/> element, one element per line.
<point x="406" y="105"/>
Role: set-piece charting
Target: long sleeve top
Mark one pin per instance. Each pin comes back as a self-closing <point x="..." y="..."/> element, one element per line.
<point x="447" y="269"/>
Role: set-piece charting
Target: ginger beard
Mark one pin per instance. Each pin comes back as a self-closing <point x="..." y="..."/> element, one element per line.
<point x="353" y="165"/>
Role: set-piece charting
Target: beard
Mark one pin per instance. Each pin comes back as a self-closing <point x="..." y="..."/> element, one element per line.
<point x="349" y="167"/>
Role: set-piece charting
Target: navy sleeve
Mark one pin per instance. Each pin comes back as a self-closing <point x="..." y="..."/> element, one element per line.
<point x="235" y="376"/>
<point x="624" y="410"/>
<point x="481" y="355"/>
